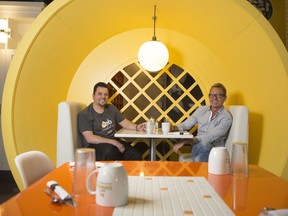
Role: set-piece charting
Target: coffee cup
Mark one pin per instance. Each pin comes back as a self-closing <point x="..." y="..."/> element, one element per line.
<point x="111" y="185"/>
<point x="219" y="161"/>
<point x="165" y="127"/>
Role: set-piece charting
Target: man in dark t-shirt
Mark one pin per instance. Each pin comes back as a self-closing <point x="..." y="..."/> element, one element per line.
<point x="97" y="125"/>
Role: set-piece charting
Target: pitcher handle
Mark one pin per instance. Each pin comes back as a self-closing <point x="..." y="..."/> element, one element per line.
<point x="88" y="184"/>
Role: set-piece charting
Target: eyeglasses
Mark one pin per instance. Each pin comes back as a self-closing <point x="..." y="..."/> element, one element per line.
<point x="216" y="95"/>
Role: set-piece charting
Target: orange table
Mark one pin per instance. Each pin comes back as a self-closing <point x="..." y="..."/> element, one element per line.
<point x="245" y="196"/>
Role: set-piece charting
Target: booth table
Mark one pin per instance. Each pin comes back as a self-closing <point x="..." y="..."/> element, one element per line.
<point x="244" y="196"/>
<point x="124" y="133"/>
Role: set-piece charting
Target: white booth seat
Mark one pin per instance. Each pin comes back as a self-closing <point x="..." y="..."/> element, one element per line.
<point x="67" y="131"/>
<point x="239" y="131"/>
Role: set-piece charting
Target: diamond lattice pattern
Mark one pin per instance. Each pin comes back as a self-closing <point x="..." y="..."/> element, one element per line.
<point x="172" y="94"/>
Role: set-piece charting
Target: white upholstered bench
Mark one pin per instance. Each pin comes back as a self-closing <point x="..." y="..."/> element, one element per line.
<point x="67" y="132"/>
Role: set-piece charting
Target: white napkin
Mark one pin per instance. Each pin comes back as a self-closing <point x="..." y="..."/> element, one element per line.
<point x="278" y="212"/>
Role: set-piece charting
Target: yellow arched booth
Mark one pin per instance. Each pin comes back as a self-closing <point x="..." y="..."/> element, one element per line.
<point x="75" y="43"/>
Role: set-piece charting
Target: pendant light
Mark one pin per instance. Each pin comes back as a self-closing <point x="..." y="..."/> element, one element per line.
<point x="153" y="55"/>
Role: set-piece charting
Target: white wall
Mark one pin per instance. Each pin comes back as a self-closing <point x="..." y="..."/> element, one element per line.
<point x="20" y="16"/>
<point x="6" y="56"/>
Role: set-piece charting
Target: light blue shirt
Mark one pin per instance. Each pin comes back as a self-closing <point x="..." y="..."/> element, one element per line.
<point x="213" y="131"/>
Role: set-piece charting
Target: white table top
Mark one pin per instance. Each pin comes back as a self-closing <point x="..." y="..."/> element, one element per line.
<point x="172" y="195"/>
<point x="138" y="134"/>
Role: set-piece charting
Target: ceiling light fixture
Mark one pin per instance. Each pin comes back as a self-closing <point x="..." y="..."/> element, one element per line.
<point x="5" y="32"/>
<point x="153" y="55"/>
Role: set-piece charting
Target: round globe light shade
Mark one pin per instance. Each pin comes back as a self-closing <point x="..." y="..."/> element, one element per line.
<point x="153" y="56"/>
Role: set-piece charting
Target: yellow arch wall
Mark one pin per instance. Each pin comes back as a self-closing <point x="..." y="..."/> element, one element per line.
<point x="227" y="41"/>
<point x="112" y="55"/>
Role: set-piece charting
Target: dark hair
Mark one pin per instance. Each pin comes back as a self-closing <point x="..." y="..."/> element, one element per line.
<point x="99" y="84"/>
<point x="221" y="86"/>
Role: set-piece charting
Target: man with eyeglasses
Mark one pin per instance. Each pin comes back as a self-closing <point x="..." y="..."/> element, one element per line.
<point x="213" y="123"/>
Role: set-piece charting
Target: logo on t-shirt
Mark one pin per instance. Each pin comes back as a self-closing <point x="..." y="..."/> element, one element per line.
<point x="106" y="123"/>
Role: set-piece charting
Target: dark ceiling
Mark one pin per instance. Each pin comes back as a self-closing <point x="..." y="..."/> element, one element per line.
<point x="264" y="6"/>
<point x="45" y="1"/>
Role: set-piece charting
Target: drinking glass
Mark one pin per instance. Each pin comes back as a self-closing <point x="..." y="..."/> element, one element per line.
<point x="84" y="165"/>
<point x="239" y="159"/>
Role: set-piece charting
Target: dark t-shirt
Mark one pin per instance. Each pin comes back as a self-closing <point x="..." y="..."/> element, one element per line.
<point x="103" y="124"/>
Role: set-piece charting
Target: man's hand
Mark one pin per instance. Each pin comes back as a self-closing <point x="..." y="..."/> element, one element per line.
<point x="119" y="145"/>
<point x="141" y="127"/>
<point x="177" y="146"/>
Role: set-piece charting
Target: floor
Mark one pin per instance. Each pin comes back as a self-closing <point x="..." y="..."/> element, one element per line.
<point x="8" y="187"/>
